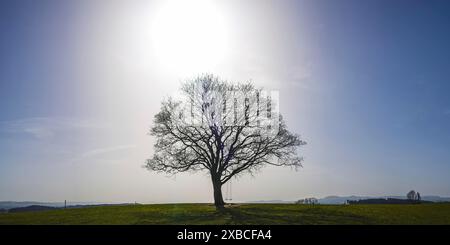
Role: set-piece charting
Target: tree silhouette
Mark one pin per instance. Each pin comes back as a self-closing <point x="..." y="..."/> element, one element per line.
<point x="411" y="195"/>
<point x="224" y="128"/>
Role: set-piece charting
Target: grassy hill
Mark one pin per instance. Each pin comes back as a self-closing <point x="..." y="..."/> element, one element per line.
<point x="238" y="214"/>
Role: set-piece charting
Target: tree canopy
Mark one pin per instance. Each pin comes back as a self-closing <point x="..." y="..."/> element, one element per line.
<point x="224" y="128"/>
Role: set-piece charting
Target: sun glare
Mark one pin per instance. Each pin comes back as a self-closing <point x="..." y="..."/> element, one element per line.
<point x="189" y="36"/>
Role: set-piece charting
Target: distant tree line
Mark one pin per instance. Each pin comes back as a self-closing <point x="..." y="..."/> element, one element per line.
<point x="412" y="197"/>
<point x="311" y="200"/>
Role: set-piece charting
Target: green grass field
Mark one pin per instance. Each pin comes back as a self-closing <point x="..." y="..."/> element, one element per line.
<point x="238" y="214"/>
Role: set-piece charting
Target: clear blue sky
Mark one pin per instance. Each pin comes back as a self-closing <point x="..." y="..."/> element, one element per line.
<point x="366" y="83"/>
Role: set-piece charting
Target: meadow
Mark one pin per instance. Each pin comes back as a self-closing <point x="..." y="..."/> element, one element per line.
<point x="250" y="214"/>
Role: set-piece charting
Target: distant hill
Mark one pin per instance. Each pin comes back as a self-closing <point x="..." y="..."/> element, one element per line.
<point x="436" y="199"/>
<point x="32" y="208"/>
<point x="340" y="200"/>
<point x="8" y="205"/>
<point x="388" y="201"/>
<point x="343" y="199"/>
<point x="12" y="204"/>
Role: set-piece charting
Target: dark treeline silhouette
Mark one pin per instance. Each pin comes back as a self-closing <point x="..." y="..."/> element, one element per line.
<point x="311" y="200"/>
<point x="412" y="197"/>
<point x="32" y="208"/>
<point x="386" y="201"/>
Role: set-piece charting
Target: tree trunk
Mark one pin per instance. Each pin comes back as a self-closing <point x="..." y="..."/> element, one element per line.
<point x="218" y="199"/>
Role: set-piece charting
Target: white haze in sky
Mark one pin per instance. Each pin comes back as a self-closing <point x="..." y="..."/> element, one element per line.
<point x="130" y="55"/>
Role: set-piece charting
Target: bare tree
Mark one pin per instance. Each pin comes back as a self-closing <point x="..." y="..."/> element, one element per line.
<point x="224" y="128"/>
<point x="411" y="195"/>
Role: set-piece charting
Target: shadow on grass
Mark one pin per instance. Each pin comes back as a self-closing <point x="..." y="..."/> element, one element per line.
<point x="249" y="215"/>
<point x="304" y="216"/>
<point x="180" y="215"/>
